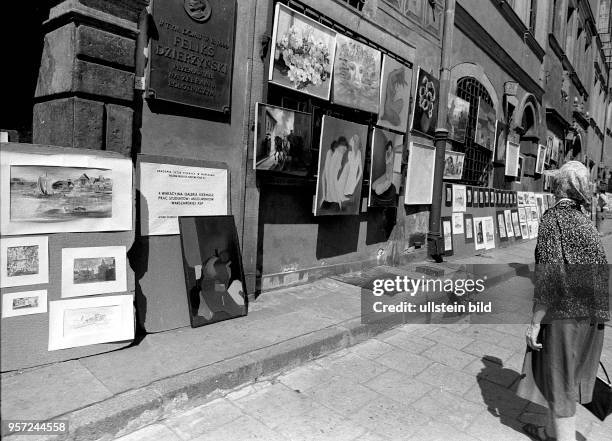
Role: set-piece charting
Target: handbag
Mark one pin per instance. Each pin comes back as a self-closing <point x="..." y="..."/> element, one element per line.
<point x="601" y="405"/>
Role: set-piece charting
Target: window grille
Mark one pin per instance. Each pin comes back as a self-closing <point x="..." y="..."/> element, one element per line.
<point x="357" y="4"/>
<point x="477" y="158"/>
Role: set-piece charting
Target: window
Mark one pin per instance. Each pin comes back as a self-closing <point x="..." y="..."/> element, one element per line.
<point x="555" y="19"/>
<point x="357" y="4"/>
<point x="526" y="10"/>
<point x="533" y="6"/>
<point x="477" y="158"/>
<point x="569" y="34"/>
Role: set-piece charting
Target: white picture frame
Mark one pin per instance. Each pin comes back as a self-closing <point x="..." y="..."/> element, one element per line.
<point x="90" y="320"/>
<point x="93" y="270"/>
<point x="420" y="174"/>
<point x="512" y="159"/>
<point x="34" y="266"/>
<point x="16" y="304"/>
<point x="541" y="160"/>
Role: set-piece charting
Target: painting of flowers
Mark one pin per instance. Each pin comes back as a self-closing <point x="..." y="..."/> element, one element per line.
<point x="356" y="75"/>
<point x="425" y="115"/>
<point x="394" y="95"/>
<point x="302" y="53"/>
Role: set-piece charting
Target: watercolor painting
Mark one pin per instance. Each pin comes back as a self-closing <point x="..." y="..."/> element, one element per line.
<point x="356" y="75"/>
<point x="394" y="95"/>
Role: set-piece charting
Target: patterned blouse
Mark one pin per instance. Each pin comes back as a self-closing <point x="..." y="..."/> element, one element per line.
<point x="571" y="276"/>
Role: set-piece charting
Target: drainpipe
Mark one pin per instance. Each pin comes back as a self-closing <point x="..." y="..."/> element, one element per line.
<point x="435" y="241"/>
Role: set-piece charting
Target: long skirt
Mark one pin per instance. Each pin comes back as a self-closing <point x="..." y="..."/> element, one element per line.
<point x="563" y="372"/>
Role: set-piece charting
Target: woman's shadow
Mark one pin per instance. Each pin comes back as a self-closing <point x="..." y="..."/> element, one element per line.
<point x="498" y="387"/>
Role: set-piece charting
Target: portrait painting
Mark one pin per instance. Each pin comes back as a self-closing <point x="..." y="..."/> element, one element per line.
<point x="512" y="159"/>
<point x="302" y="54"/>
<point x="501" y="134"/>
<point x="356" y="77"/>
<point x="24" y="303"/>
<point x="453" y="164"/>
<point x="24" y="261"/>
<point x="90" y="320"/>
<point x="426" y="102"/>
<point x="541" y="159"/>
<point x="340" y="169"/>
<point x="484" y="134"/>
<point x="283" y="140"/>
<point x="93" y="270"/>
<point x="385" y="168"/>
<point x="457" y="117"/>
<point x="420" y="174"/>
<point x="394" y="95"/>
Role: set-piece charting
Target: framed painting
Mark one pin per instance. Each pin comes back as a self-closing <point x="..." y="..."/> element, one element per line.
<point x="448" y="199"/>
<point x="469" y="196"/>
<point x="484" y="134"/>
<point x="447" y="234"/>
<point x="479" y="233"/>
<point x="24" y="303"/>
<point x="469" y="228"/>
<point x="521" y="169"/>
<point x="420" y="174"/>
<point x="516" y="224"/>
<point x="453" y="165"/>
<point x="458" y="226"/>
<point x="541" y="159"/>
<point x="302" y="54"/>
<point x="459" y="198"/>
<point x="457" y="119"/>
<point x="394" y="104"/>
<point x="214" y="276"/>
<point x="356" y="77"/>
<point x="385" y="161"/>
<point x="93" y="270"/>
<point x="508" y="222"/>
<point x="24" y="261"/>
<point x="501" y="226"/>
<point x="425" y="111"/>
<point x="501" y="135"/>
<point x="340" y="169"/>
<point x="512" y="159"/>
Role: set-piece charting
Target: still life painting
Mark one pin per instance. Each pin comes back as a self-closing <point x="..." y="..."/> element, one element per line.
<point x="394" y="95"/>
<point x="340" y="170"/>
<point x="425" y="114"/>
<point x="302" y="53"/>
<point x="356" y="75"/>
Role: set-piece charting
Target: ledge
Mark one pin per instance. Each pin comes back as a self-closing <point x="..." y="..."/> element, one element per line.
<point x="517" y="24"/>
<point x="567" y="64"/>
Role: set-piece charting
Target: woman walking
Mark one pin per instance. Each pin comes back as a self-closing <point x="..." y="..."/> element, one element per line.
<point x="565" y="337"/>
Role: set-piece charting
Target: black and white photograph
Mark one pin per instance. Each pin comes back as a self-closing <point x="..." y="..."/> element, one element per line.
<point x="291" y="220"/>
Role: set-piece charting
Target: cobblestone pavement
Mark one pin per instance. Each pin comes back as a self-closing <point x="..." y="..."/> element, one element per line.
<point x="414" y="383"/>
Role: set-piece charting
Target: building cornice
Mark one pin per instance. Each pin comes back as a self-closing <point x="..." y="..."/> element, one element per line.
<point x="519" y="27"/>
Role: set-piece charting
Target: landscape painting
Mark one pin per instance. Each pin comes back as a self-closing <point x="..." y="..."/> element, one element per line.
<point x="356" y="75"/>
<point x="485" y="125"/>
<point x="302" y="53"/>
<point x="95" y="270"/>
<point x="24" y="261"/>
<point x="24" y="303"/>
<point x="425" y="114"/>
<point x="340" y="170"/>
<point x="283" y="140"/>
<point x="394" y="95"/>
<point x="453" y="165"/>
<point x="458" y="113"/>
<point x="385" y="181"/>
<point x="54" y="194"/>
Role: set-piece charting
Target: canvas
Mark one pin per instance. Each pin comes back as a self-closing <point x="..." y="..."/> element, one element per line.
<point x="356" y="75"/>
<point x="459" y="198"/>
<point x="386" y="158"/>
<point x="420" y="174"/>
<point x="484" y="134"/>
<point x="24" y="261"/>
<point x="453" y="165"/>
<point x="93" y="270"/>
<point x="340" y="170"/>
<point x="512" y="159"/>
<point x="501" y="134"/>
<point x="425" y="112"/>
<point x="457" y="119"/>
<point x="541" y="159"/>
<point x="302" y="53"/>
<point x="394" y="95"/>
<point x="283" y="140"/>
<point x="214" y="276"/>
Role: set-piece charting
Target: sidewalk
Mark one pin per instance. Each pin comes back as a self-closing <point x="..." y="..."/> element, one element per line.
<point x="111" y="394"/>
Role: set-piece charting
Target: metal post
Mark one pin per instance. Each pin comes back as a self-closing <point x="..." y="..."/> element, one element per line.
<point x="435" y="241"/>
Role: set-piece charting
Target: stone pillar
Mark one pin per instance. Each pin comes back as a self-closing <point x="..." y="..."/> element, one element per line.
<point x="85" y="92"/>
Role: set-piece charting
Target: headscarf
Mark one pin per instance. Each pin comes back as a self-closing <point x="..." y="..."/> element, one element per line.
<point x="572" y="181"/>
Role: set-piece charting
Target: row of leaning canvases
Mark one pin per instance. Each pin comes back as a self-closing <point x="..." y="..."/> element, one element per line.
<point x="517" y="216"/>
<point x="51" y="192"/>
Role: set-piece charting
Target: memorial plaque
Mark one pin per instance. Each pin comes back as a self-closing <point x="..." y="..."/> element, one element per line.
<point x="192" y="52"/>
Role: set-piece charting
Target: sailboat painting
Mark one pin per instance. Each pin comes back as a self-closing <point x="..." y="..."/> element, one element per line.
<point x="55" y="194"/>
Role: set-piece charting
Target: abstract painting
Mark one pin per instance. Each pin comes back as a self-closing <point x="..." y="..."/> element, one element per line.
<point x="453" y="164"/>
<point x="93" y="270"/>
<point x="485" y="126"/>
<point x="394" y="95"/>
<point x="512" y="159"/>
<point x="457" y="119"/>
<point x="283" y="140"/>
<point x="214" y="276"/>
<point x="427" y="100"/>
<point x="24" y="303"/>
<point x="302" y="53"/>
<point x="24" y="261"/>
<point x="420" y="174"/>
<point x="90" y="320"/>
<point x="356" y="75"/>
<point x="340" y="170"/>
<point x="386" y="158"/>
<point x="68" y="192"/>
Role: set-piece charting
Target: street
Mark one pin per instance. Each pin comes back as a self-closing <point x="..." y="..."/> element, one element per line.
<point x="413" y="383"/>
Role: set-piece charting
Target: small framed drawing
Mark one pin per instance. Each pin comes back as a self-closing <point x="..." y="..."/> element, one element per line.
<point x="468" y="219"/>
<point x="90" y="271"/>
<point x="448" y="201"/>
<point x="501" y="226"/>
<point x="24" y="303"/>
<point x="516" y="224"/>
<point x="481" y="197"/>
<point x="487" y="200"/>
<point x="90" y="320"/>
<point x="468" y="195"/>
<point x="24" y="261"/>
<point x="447" y="233"/>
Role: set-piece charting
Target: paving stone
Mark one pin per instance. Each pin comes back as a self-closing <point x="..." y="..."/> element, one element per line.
<point x="306" y="377"/>
<point x="320" y="424"/>
<point x="487" y="427"/>
<point x="404" y="362"/>
<point x="203" y="419"/>
<point x="420" y="330"/>
<point x="488" y="370"/>
<point x="449" y="356"/>
<point x="443" y="406"/>
<point x="244" y="428"/>
<point x="342" y="395"/>
<point x="489" y="350"/>
<point x="409" y="342"/>
<point x="483" y="333"/>
<point x="370" y="436"/>
<point x="437" y="431"/>
<point x="499" y="400"/>
<point x="449" y="338"/>
<point x="447" y="378"/>
<point x="353" y="366"/>
<point x="399" y="387"/>
<point x="154" y="432"/>
<point x="371" y="349"/>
